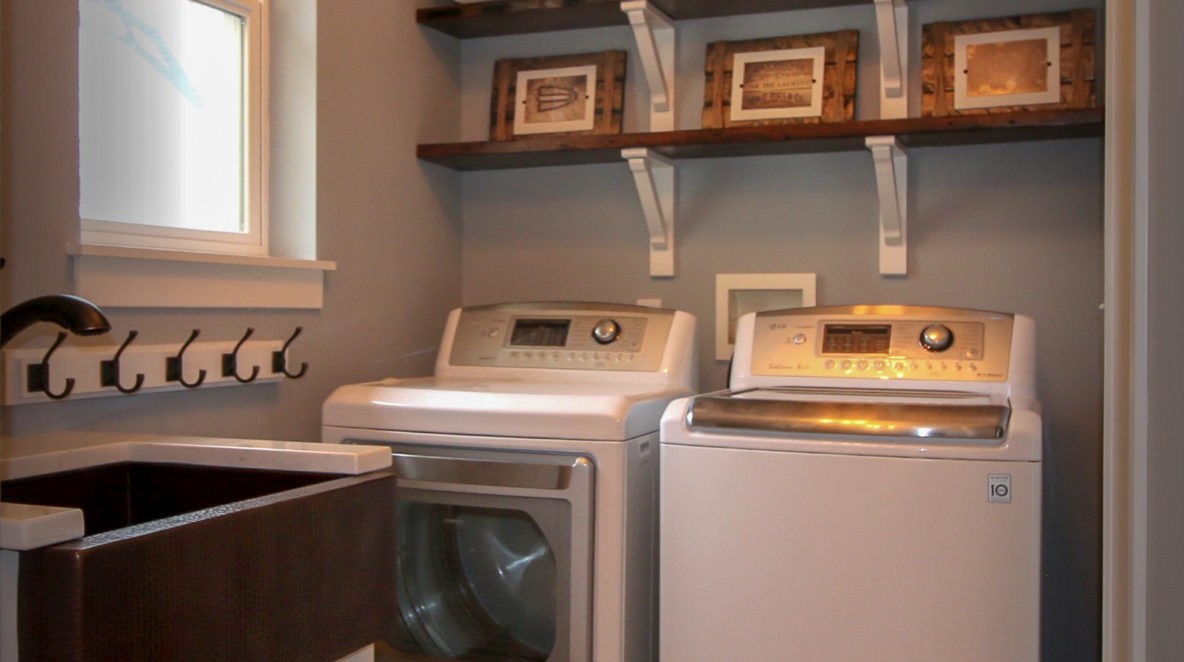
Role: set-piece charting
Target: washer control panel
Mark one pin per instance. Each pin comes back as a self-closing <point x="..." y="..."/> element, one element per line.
<point x="883" y="342"/>
<point x="589" y="337"/>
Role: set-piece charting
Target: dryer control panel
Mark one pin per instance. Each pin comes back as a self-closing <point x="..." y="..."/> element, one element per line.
<point x="883" y="342"/>
<point x="579" y="337"/>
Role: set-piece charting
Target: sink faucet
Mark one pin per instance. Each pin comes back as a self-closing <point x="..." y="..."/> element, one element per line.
<point x="75" y="314"/>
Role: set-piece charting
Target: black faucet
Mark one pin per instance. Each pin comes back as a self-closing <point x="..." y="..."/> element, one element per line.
<point x="75" y="314"/>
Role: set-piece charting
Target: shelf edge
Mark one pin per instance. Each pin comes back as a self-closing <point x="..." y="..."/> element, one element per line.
<point x="776" y="139"/>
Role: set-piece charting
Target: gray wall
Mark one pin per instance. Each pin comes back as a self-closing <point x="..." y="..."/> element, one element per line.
<point x="1014" y="227"/>
<point x="391" y="224"/>
<point x="1165" y="458"/>
<point x="1009" y="227"/>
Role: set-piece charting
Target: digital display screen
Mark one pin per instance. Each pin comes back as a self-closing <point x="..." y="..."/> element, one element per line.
<point x="856" y="338"/>
<point x="540" y="333"/>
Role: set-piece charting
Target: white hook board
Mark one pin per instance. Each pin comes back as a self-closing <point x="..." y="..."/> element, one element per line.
<point x="83" y="364"/>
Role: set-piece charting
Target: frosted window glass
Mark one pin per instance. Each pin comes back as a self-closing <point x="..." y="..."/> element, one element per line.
<point x="161" y="114"/>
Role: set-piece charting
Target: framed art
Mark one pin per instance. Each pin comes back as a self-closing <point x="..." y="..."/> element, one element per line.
<point x="777" y="84"/>
<point x="802" y="78"/>
<point x="558" y="95"/>
<point x="1008" y="68"/>
<point x="737" y="294"/>
<point x="1009" y="64"/>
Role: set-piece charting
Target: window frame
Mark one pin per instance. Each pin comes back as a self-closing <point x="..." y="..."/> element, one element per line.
<point x="256" y="240"/>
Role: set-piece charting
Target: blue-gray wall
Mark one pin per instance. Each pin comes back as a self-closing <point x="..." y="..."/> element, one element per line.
<point x="1011" y="227"/>
<point x="391" y="224"/>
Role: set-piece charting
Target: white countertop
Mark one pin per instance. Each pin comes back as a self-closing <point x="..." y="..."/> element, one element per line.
<point x="29" y="526"/>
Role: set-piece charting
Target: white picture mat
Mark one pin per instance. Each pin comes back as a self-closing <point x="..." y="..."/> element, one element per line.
<point x="737" y="294"/>
<point x="587" y="123"/>
<point x="741" y="60"/>
<point x="1052" y="91"/>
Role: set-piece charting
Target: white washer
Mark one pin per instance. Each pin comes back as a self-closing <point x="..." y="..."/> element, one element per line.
<point x="528" y="480"/>
<point x="869" y="489"/>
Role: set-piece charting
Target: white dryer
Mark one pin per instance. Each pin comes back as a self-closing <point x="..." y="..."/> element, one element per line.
<point x="869" y="489"/>
<point x="528" y="469"/>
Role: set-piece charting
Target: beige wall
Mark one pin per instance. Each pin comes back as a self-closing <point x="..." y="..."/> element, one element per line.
<point x="391" y="224"/>
<point x="1165" y="453"/>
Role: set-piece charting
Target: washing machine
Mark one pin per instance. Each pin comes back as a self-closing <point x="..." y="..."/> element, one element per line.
<point x="868" y="488"/>
<point x="527" y="469"/>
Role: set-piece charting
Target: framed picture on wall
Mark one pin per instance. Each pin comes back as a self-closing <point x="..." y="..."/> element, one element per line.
<point x="777" y="84"/>
<point x="1008" y="68"/>
<point x="1032" y="62"/>
<point x="737" y="294"/>
<point x="800" y="78"/>
<point x="558" y="95"/>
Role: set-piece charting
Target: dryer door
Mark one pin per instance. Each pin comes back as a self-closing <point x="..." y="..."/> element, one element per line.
<point x="494" y="556"/>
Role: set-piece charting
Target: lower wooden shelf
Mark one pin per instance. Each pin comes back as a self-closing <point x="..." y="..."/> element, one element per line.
<point x="767" y="140"/>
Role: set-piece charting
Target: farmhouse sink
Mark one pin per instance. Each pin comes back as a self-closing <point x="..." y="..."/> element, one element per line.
<point x="191" y="562"/>
<point x="114" y="496"/>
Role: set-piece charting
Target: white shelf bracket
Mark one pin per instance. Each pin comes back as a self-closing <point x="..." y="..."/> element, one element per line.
<point x="892" y="178"/>
<point x="654" y="176"/>
<point x="892" y="23"/>
<point x="654" y="32"/>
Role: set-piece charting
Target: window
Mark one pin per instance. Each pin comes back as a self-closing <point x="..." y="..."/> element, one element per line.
<point x="172" y="110"/>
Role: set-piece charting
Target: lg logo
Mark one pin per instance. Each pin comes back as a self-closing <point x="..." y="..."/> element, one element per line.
<point x="999" y="488"/>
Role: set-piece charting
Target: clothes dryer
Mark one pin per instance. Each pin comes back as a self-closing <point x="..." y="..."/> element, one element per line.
<point x="527" y="468"/>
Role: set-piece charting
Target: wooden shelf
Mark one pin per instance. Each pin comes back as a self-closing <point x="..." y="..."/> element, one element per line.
<point x="651" y="156"/>
<point x="504" y="17"/>
<point x="765" y="140"/>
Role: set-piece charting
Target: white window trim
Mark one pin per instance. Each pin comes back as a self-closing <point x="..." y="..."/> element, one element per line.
<point x="116" y="276"/>
<point x="256" y="241"/>
<point x="137" y="277"/>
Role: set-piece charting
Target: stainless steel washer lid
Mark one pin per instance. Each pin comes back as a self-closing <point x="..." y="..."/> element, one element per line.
<point x="976" y="426"/>
<point x="935" y="415"/>
<point x="611" y="411"/>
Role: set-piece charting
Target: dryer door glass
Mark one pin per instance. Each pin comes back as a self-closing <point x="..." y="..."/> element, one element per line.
<point x="474" y="582"/>
<point x="492" y="571"/>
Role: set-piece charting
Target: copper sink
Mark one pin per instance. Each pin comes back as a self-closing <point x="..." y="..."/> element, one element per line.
<point x="186" y="562"/>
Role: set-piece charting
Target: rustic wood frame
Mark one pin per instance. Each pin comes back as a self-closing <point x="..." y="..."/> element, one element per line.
<point x="609" y="99"/>
<point x="838" y="84"/>
<point x="1078" y="64"/>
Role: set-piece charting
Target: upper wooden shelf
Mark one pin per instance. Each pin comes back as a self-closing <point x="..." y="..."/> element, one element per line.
<point x="764" y="140"/>
<point x="491" y="19"/>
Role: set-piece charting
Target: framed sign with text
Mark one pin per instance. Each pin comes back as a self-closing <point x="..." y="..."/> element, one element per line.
<point x="802" y="78"/>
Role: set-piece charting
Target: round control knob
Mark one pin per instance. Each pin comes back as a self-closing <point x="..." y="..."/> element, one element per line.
<point x="937" y="337"/>
<point x="606" y="331"/>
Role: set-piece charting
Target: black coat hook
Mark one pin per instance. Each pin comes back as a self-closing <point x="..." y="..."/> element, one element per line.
<point x="279" y="361"/>
<point x="174" y="366"/>
<point x="109" y="370"/>
<point x="230" y="362"/>
<point x="37" y="374"/>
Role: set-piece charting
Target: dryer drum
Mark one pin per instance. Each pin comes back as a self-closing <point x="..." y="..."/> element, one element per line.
<point x="475" y="584"/>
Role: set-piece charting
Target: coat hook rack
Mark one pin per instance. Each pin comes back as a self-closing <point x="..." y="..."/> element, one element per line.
<point x="37" y="374"/>
<point x="230" y="362"/>
<point x="109" y="370"/>
<point x="174" y="370"/>
<point x="128" y="364"/>
<point x="279" y="361"/>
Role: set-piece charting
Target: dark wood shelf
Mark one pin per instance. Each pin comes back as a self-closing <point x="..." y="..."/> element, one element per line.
<point x="504" y="17"/>
<point x="767" y="140"/>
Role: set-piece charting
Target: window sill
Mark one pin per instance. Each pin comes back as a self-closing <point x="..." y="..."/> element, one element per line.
<point x="119" y="277"/>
